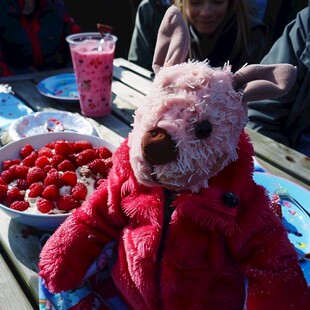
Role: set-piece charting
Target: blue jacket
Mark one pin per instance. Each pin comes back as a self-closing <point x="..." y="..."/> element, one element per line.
<point x="34" y="42"/>
<point x="287" y="119"/>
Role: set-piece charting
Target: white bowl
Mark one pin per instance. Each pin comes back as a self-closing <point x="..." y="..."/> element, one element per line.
<point x="11" y="151"/>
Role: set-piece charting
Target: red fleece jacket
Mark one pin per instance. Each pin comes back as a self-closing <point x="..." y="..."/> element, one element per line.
<point x="210" y="247"/>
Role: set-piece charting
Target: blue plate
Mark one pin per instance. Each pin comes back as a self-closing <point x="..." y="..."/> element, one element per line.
<point x="62" y="86"/>
<point x="295" y="205"/>
<point x="11" y="108"/>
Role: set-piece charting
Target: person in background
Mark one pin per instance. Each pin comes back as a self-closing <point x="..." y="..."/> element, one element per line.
<point x="220" y="32"/>
<point x="32" y="35"/>
<point x="287" y="119"/>
<point x="148" y="18"/>
<point x="278" y="14"/>
<point x="271" y="16"/>
<point x="257" y="9"/>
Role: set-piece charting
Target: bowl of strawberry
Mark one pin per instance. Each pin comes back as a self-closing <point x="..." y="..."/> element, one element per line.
<point x="44" y="178"/>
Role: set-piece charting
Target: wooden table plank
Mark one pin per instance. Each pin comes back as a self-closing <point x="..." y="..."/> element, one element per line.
<point x="11" y="295"/>
<point x="34" y="75"/>
<point x="293" y="164"/>
<point x="21" y="246"/>
<point x="125" y="64"/>
<point x="132" y="79"/>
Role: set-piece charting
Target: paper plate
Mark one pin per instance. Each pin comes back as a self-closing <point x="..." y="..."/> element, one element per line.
<point x="62" y="86"/>
<point x="295" y="203"/>
<point x="44" y="122"/>
<point x="11" y="108"/>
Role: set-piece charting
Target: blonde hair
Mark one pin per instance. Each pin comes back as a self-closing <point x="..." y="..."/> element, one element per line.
<point x="237" y="7"/>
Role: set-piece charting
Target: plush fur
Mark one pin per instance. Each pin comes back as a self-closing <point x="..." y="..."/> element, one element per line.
<point x="210" y="248"/>
<point x="194" y="230"/>
<point x="183" y="96"/>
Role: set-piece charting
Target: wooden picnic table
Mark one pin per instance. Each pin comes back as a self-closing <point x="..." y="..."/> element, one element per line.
<point x="19" y="244"/>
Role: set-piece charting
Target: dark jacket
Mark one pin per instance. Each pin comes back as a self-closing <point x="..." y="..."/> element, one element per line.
<point x="36" y="41"/>
<point x="287" y="119"/>
<point x="148" y="18"/>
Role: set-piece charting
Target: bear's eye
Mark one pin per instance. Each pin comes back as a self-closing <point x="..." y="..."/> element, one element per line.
<point x="203" y="129"/>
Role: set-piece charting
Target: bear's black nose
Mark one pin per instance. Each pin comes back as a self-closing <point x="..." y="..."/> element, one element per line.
<point x="158" y="147"/>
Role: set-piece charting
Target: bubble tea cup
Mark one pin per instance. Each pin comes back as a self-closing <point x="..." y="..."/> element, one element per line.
<point x="92" y="57"/>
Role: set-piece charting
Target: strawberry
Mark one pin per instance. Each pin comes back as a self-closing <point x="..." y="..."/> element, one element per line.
<point x="20" y="205"/>
<point x="98" y="166"/>
<point x="50" y="145"/>
<point x="22" y="184"/>
<point x="45" y="151"/>
<point x="63" y="148"/>
<point x="79" y="191"/>
<point x="66" y="165"/>
<point x="6" y="164"/>
<point x="69" y="178"/>
<point x="7" y="176"/>
<point x="3" y="191"/>
<point x="56" y="160"/>
<point x="53" y="177"/>
<point x="42" y="161"/>
<point x="67" y="203"/>
<point x="71" y="157"/>
<point x="85" y="157"/>
<point x="30" y="159"/>
<point x="103" y="152"/>
<point x="81" y="146"/>
<point x="48" y="168"/>
<point x="26" y="150"/>
<point x="35" y="190"/>
<point x="51" y="192"/>
<point x="14" y="194"/>
<point x="45" y="206"/>
<point x="35" y="174"/>
<point x="19" y="171"/>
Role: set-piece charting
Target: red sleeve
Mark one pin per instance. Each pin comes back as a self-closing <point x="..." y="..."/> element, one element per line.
<point x="73" y="247"/>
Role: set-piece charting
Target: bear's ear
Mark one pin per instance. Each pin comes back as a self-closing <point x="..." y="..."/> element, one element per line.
<point x="173" y="40"/>
<point x="259" y="82"/>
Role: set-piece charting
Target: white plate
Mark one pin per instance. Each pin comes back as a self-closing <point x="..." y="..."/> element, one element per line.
<point x="62" y="86"/>
<point x="44" y="122"/>
<point x="295" y="203"/>
<point x="11" y="108"/>
<point x="11" y="150"/>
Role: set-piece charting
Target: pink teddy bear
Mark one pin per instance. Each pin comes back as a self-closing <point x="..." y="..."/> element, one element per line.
<point x="193" y="230"/>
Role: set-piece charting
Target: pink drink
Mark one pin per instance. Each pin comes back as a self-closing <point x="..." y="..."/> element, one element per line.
<point x="93" y="67"/>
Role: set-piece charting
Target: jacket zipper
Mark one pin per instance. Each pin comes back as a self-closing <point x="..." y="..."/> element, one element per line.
<point x="168" y="210"/>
